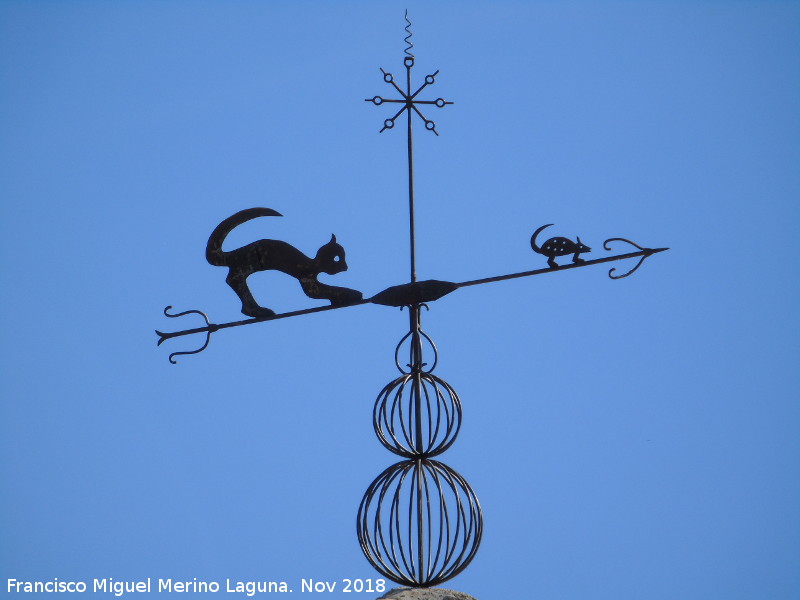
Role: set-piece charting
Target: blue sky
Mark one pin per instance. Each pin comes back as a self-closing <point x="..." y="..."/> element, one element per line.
<point x="627" y="439"/>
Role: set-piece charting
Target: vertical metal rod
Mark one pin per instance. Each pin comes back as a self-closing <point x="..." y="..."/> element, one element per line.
<point x="420" y="530"/>
<point x="416" y="339"/>
<point x="416" y="369"/>
<point x="409" y="62"/>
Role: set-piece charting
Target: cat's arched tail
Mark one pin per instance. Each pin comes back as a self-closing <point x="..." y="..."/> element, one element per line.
<point x="214" y="253"/>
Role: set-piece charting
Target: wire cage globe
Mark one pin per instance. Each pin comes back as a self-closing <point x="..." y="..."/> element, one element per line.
<point x="417" y="414"/>
<point x="419" y="523"/>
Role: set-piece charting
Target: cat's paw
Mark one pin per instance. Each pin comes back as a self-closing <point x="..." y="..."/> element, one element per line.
<point x="258" y="312"/>
<point x="345" y="296"/>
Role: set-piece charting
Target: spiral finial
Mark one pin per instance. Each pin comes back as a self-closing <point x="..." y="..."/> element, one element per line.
<point x="407" y="39"/>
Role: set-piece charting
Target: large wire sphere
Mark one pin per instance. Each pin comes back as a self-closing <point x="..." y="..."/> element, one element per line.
<point x="420" y="523"/>
<point x="395" y="415"/>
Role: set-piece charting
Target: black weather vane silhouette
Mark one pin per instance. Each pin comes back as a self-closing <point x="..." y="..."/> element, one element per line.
<point x="419" y="523"/>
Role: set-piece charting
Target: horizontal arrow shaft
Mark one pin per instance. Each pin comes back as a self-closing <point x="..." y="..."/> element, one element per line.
<point x="418" y="296"/>
<point x="216" y="327"/>
<point x="586" y="263"/>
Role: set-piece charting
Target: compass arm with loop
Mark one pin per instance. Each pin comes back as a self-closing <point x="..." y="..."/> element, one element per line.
<point x="409" y="294"/>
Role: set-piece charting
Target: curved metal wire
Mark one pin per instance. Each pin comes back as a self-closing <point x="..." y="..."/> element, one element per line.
<point x="420" y="523"/>
<point x="187" y="312"/>
<point x="638" y="264"/>
<point x="396" y="420"/>
<point x="409" y="365"/>
<point x="407" y="39"/>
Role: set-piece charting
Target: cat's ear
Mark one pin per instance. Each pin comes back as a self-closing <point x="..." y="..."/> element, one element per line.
<point x="333" y="239"/>
<point x="579" y="240"/>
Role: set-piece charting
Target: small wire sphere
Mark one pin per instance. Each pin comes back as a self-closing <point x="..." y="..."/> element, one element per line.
<point x="401" y="430"/>
<point x="420" y="523"/>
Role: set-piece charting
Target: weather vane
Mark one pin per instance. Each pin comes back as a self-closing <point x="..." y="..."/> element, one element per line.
<point x="419" y="523"/>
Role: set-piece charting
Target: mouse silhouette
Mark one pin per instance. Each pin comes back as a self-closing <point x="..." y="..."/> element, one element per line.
<point x="558" y="246"/>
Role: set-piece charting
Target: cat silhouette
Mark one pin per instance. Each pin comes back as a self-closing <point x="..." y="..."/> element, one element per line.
<point x="275" y="255"/>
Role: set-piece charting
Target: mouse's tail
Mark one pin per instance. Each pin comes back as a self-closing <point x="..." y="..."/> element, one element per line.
<point x="533" y="238"/>
<point x="214" y="253"/>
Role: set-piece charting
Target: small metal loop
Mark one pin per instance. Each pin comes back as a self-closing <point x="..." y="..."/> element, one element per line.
<point x="388" y="124"/>
<point x="376" y="100"/>
<point x="408" y="62"/>
<point x="430" y="79"/>
<point x="397" y="361"/>
<point x="440" y="102"/>
<point x="397" y="351"/>
<point x="430" y="125"/>
<point x="435" y="351"/>
<point x="605" y="244"/>
<point x="421" y="304"/>
<point x="200" y="349"/>
<point x="611" y="271"/>
<point x="186" y="312"/>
